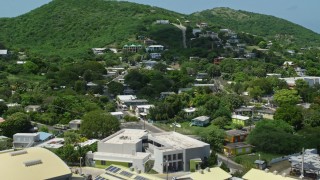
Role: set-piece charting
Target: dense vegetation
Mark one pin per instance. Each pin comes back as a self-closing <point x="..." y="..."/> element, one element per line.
<point x="72" y="27"/>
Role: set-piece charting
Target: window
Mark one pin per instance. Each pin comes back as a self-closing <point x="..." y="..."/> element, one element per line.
<point x="174" y="157"/>
<point x="239" y="150"/>
<point x="247" y="150"/>
<point x="164" y="157"/>
<point x="180" y="156"/>
<point x="103" y="162"/>
<point x="169" y="157"/>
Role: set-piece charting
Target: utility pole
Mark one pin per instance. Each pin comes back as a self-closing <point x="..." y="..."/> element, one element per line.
<point x="80" y="165"/>
<point x="302" y="165"/>
<point x="167" y="165"/>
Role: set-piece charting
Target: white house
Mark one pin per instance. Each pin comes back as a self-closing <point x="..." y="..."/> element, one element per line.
<point x="98" y="51"/>
<point x="155" y="48"/>
<point x="3" y="52"/>
<point x="118" y="115"/>
<point x="143" y="110"/>
<point x="75" y="124"/>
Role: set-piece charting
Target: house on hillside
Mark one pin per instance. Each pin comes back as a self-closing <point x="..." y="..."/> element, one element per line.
<point x="98" y="51"/>
<point x="119" y="115"/>
<point x="162" y="21"/>
<point x="32" y="108"/>
<point x="241" y="120"/>
<point x="155" y="48"/>
<point x="75" y="124"/>
<point x="132" y="48"/>
<point x="190" y="111"/>
<point x="200" y="121"/>
<point x="143" y="110"/>
<point x="235" y="135"/>
<point x="3" y="52"/>
<point x="155" y="55"/>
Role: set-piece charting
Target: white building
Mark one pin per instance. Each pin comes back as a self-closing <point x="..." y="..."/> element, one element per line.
<point x="25" y="140"/>
<point x="118" y="115"/>
<point x="134" y="148"/>
<point x="311" y="80"/>
<point x="75" y="124"/>
<point x="98" y="51"/>
<point x="143" y="110"/>
<point x="155" y="48"/>
<point x="3" y="52"/>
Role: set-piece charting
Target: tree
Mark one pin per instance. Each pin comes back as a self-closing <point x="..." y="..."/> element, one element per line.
<point x="215" y="137"/>
<point x="30" y="67"/>
<point x="115" y="88"/>
<point x="291" y="115"/>
<point x="286" y="97"/>
<point x="3" y="108"/>
<point x="16" y="123"/>
<point x="98" y="124"/>
<point x="222" y="121"/>
<point x="71" y="137"/>
<point x="270" y="137"/>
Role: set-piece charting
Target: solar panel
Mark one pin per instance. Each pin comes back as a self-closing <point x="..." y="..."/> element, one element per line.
<point x="125" y="173"/>
<point x="140" y="178"/>
<point x="109" y="168"/>
<point x="116" y="170"/>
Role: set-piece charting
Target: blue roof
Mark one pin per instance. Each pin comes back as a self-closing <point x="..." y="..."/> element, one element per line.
<point x="44" y="136"/>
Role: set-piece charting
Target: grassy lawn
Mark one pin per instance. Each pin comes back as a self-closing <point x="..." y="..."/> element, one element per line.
<point x="247" y="160"/>
<point x="185" y="128"/>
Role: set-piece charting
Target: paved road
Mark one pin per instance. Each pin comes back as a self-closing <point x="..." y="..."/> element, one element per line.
<point x="231" y="164"/>
<point x="183" y="29"/>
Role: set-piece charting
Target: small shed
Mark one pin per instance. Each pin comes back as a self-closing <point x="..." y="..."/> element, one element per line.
<point x="260" y="164"/>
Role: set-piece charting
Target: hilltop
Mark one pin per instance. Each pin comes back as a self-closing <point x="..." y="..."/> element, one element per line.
<point x="69" y="28"/>
<point x="258" y="24"/>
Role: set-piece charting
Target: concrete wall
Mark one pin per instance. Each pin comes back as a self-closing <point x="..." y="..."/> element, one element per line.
<point x="126" y="148"/>
<point x="193" y="153"/>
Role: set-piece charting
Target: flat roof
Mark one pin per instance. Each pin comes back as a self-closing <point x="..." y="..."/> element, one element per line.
<point x="243" y="118"/>
<point x="255" y="174"/>
<point x="54" y="143"/>
<point x="189" y="109"/>
<point x="116" y="113"/>
<point x="237" y="145"/>
<point x="236" y="132"/>
<point x="32" y="163"/>
<point x="126" y="136"/>
<point x="215" y="173"/>
<point x="126" y="97"/>
<point x="174" y="140"/>
<point x="201" y="118"/>
<point x="76" y="121"/>
<point x="147" y="106"/>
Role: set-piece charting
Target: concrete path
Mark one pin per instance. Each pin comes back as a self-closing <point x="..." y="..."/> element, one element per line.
<point x="231" y="164"/>
<point x="183" y="29"/>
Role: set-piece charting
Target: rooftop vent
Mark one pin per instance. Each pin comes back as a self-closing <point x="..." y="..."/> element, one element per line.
<point x="275" y="172"/>
<point x="201" y="171"/>
<point x="284" y="175"/>
<point x="32" y="163"/>
<point x="266" y="170"/>
<point x="208" y="169"/>
<point x="16" y="153"/>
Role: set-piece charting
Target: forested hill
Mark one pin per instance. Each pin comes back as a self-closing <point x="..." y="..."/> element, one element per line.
<point x="69" y="27"/>
<point x="258" y="24"/>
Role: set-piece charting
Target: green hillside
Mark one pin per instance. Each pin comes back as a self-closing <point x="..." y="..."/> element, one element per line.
<point x="71" y="27"/>
<point x="258" y="24"/>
